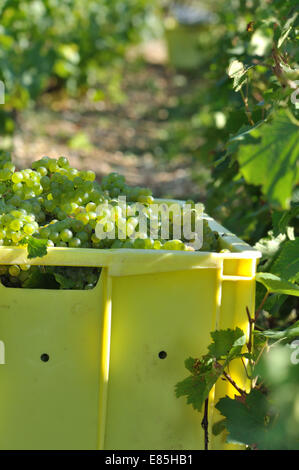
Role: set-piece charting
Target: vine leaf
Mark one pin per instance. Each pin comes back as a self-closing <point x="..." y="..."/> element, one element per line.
<point x="247" y="419"/>
<point x="197" y="387"/>
<point x="237" y="71"/>
<point x="282" y="219"/>
<point x="275" y="284"/>
<point x="287" y="28"/>
<point x="286" y="264"/>
<point x="272" y="161"/>
<point x="36" y="247"/>
<point x="226" y="346"/>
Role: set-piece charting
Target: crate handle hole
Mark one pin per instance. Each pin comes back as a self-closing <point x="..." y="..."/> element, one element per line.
<point x="162" y="355"/>
<point x="45" y="357"/>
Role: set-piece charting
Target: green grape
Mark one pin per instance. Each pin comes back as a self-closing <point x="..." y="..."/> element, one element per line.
<point x="117" y="244"/>
<point x="45" y="232"/>
<point x="83" y="236"/>
<point x="75" y="242"/>
<point x="83" y="218"/>
<point x="16" y="237"/>
<point x="17" y="187"/>
<point x="52" y="166"/>
<point x="157" y="245"/>
<point x="14" y="270"/>
<point x="54" y="236"/>
<point x="145" y="199"/>
<point x="42" y="170"/>
<point x="128" y="244"/>
<point x="63" y="162"/>
<point x="45" y="182"/>
<point x="94" y="238"/>
<point x="25" y="267"/>
<point x="92" y="215"/>
<point x="16" y="224"/>
<point x="148" y="244"/>
<point x="61" y="244"/>
<point x="30" y="218"/>
<point x="76" y="225"/>
<point x="29" y="229"/>
<point x="2" y="234"/>
<point x="66" y="235"/>
<point x="91" y="207"/>
<point x="17" y="177"/>
<point x="59" y="204"/>
<point x="72" y="173"/>
<point x="139" y="243"/>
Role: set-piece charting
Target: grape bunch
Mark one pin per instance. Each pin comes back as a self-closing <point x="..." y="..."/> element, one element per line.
<point x="55" y="205"/>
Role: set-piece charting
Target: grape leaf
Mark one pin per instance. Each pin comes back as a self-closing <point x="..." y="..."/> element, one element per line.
<point x="40" y="280"/>
<point x="226" y="346"/>
<point x="287" y="28"/>
<point x="242" y="137"/>
<point x="227" y="343"/>
<point x="63" y="281"/>
<point x="36" y="247"/>
<point x="269" y="246"/>
<point x="272" y="161"/>
<point x="286" y="264"/>
<point x="275" y="284"/>
<point x="237" y="70"/>
<point x="281" y="220"/>
<point x="197" y="387"/>
<point x="190" y="363"/>
<point x="247" y="420"/>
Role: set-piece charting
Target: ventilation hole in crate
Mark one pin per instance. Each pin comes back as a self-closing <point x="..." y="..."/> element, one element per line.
<point x="45" y="357"/>
<point x="162" y="354"/>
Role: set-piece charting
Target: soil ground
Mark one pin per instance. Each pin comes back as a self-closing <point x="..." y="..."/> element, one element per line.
<point x="143" y="132"/>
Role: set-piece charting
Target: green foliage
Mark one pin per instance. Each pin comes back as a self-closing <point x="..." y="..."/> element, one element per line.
<point x="47" y="44"/>
<point x="36" y="247"/>
<point x="287" y="262"/>
<point x="271" y="160"/>
<point x="226" y="346"/>
<point x="247" y="419"/>
<point x="267" y="421"/>
<point x="256" y="169"/>
<point x="275" y="284"/>
<point x="255" y="418"/>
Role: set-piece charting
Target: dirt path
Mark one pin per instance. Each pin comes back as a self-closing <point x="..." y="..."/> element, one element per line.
<point x="146" y="136"/>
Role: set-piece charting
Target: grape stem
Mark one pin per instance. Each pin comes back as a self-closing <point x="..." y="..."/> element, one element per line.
<point x="205" y="423"/>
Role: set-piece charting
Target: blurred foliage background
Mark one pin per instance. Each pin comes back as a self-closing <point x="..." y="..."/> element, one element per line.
<point x="193" y="99"/>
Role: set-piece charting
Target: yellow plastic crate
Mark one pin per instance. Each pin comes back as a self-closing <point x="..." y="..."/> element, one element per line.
<point x="185" y="46"/>
<point x="104" y="385"/>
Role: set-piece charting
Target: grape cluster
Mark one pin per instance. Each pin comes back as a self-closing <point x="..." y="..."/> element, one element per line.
<point x="54" y="202"/>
